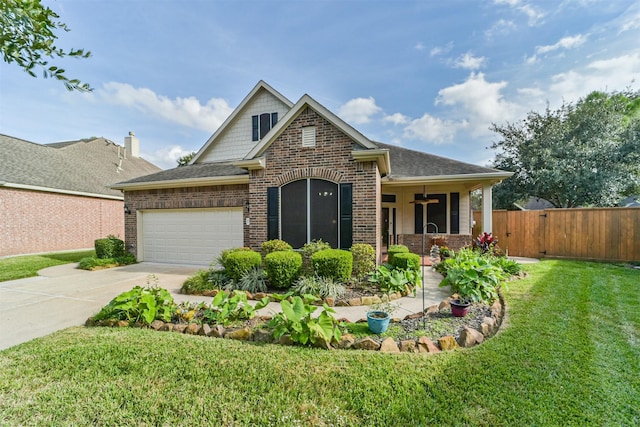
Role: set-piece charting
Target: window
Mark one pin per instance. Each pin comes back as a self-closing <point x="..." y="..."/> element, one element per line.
<point x="262" y="124"/>
<point x="436" y="214"/>
<point x="310" y="209"/>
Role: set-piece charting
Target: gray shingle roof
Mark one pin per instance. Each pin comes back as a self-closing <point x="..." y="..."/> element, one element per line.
<point x="88" y="166"/>
<point x="200" y="170"/>
<point x="409" y="163"/>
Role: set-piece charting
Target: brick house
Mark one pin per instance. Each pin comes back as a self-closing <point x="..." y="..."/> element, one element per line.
<point x="56" y="197"/>
<point x="298" y="172"/>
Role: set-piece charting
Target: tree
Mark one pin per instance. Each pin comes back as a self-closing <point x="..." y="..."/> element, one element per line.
<point x="27" y="36"/>
<point x="587" y="154"/>
<point x="184" y="160"/>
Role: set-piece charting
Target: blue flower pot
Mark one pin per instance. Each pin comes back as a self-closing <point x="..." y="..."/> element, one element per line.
<point x="378" y="321"/>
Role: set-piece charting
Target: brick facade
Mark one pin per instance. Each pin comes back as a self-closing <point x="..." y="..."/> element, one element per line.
<point x="34" y="221"/>
<point x="287" y="160"/>
<point x="181" y="198"/>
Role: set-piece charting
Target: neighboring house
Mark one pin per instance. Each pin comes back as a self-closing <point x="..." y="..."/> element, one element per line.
<point x="298" y="172"/>
<point x="56" y="197"/>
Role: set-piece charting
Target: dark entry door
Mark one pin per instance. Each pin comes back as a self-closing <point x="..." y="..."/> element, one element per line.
<point x="385" y="226"/>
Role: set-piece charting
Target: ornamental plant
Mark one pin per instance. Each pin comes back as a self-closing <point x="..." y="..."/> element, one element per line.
<point x="230" y="307"/>
<point x="282" y="268"/>
<point x="275" y="245"/>
<point x="395" y="249"/>
<point x="485" y="242"/>
<point x="364" y="260"/>
<point x="406" y="261"/>
<point x="307" y="252"/>
<point x="237" y="263"/>
<point x="473" y="277"/>
<point x="334" y="263"/>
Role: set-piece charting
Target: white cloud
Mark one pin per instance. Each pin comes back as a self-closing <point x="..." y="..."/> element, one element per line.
<point x="433" y="129"/>
<point x="500" y="28"/>
<point x="534" y="15"/>
<point x="440" y="50"/>
<point x="480" y="101"/>
<point x="631" y="22"/>
<point x="185" y="111"/>
<point x="166" y="157"/>
<point x="609" y="74"/>
<point x="419" y="46"/>
<point x="469" y="62"/>
<point x="396" y="119"/>
<point x="569" y="42"/>
<point x="359" y="110"/>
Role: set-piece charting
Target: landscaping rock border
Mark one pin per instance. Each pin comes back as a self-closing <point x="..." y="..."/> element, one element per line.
<point x="469" y="337"/>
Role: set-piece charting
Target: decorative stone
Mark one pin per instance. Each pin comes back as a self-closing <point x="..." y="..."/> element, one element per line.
<point x="362" y="320"/>
<point x="425" y="345"/>
<point x="205" y="330"/>
<point x="354" y="302"/>
<point x="156" y="325"/>
<point x="395" y="320"/>
<point x="366" y="344"/>
<point x="342" y="303"/>
<point x="496" y="309"/>
<point x="250" y="296"/>
<point x="413" y="316"/>
<point x="367" y="301"/>
<point x="432" y="309"/>
<point x="286" y="340"/>
<point x="346" y="341"/>
<point x="122" y="324"/>
<point x="343" y="320"/>
<point x="217" y="331"/>
<point x="408" y="346"/>
<point x="377" y="299"/>
<point x="243" y="334"/>
<point x="179" y="328"/>
<point x="385" y="298"/>
<point x="469" y="337"/>
<point x="394" y="296"/>
<point x="389" y="345"/>
<point x="209" y="293"/>
<point x="259" y="295"/>
<point x="444" y="305"/>
<point x="447" y="343"/>
<point x="90" y="322"/>
<point x="323" y="344"/>
<point x="265" y="318"/>
<point x="488" y="326"/>
<point x="330" y="301"/>
<point x="167" y="327"/>
<point x="192" y="329"/>
<point x="262" y="335"/>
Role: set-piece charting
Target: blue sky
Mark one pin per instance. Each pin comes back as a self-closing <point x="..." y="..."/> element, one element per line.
<point x="428" y="75"/>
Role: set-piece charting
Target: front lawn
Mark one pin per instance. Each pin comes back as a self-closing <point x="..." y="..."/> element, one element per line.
<point x="570" y="356"/>
<point x="28" y="265"/>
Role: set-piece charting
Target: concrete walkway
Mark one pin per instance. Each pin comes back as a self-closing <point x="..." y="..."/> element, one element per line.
<point x="64" y="296"/>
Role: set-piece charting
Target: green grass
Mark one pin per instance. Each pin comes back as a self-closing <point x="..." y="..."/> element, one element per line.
<point x="27" y="266"/>
<point x="570" y="356"/>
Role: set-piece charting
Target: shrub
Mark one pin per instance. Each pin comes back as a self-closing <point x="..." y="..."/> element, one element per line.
<point x="509" y="266"/>
<point x="92" y="263"/>
<point x="222" y="258"/>
<point x="406" y="261"/>
<point x="334" y="263"/>
<point x="364" y="260"/>
<point x="472" y="276"/>
<point x="254" y="280"/>
<point x="283" y="268"/>
<point x="391" y="279"/>
<point x="395" y="249"/>
<point x="218" y="279"/>
<point x="239" y="262"/>
<point x="307" y="252"/>
<point x="322" y="287"/>
<point x="111" y="247"/>
<point x="275" y="245"/>
<point x="197" y="283"/>
<point x="230" y="307"/>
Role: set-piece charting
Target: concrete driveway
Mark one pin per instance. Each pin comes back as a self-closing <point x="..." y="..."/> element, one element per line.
<point x="64" y="296"/>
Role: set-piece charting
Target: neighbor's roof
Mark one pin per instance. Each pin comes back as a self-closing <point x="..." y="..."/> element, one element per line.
<point x="86" y="167"/>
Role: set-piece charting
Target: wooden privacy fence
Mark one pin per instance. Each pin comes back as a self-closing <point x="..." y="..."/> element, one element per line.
<point x="608" y="234"/>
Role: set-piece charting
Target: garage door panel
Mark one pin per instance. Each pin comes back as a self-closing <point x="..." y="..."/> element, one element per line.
<point x="190" y="236"/>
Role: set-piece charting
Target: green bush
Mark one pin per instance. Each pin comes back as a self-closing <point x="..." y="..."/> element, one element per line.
<point x="239" y="262"/>
<point x="364" y="260"/>
<point x="334" y="263"/>
<point x="275" y="245"/>
<point x="93" y="263"/>
<point x="509" y="266"/>
<point x="222" y="258"/>
<point x="322" y="287"/>
<point x="406" y="261"/>
<point x="395" y="249"/>
<point x="283" y="268"/>
<point x="197" y="283"/>
<point x="307" y="252"/>
<point x="111" y="247"/>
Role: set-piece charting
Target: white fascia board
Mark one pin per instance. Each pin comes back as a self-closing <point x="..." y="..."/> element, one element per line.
<point x="188" y="182"/>
<point x="251" y="164"/>
<point x="59" y="191"/>
<point x="380" y="156"/>
<point x="247" y="99"/>
<point x="476" y="178"/>
<point x="307" y="101"/>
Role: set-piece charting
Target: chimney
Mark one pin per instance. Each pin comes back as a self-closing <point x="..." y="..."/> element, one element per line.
<point x="131" y="145"/>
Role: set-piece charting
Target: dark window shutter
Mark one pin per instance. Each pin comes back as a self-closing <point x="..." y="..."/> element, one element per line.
<point x="346" y="216"/>
<point x="455" y="213"/>
<point x="274" y="119"/>
<point x="272" y="213"/>
<point x="418" y="214"/>
<point x="254" y="124"/>
<point x="265" y="124"/>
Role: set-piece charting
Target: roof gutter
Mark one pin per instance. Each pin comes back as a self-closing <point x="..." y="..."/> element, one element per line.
<point x="186" y="182"/>
<point x="59" y="191"/>
<point x="490" y="177"/>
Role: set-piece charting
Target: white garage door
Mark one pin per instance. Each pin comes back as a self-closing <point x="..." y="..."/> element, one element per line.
<point x="189" y="236"/>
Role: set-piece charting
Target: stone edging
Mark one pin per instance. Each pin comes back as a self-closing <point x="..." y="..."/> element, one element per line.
<point x="468" y="337"/>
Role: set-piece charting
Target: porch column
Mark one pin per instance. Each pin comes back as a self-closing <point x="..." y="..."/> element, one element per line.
<point x="487" y="208"/>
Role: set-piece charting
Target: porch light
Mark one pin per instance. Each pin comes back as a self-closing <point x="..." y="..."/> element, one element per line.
<point x="127" y="210"/>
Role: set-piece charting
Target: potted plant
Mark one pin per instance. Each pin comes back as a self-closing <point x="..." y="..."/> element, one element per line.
<point x="379" y="316"/>
<point x="460" y="306"/>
